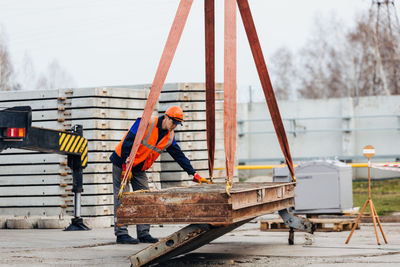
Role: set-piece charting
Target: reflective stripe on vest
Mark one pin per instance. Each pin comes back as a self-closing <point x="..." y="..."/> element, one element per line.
<point x="147" y="152"/>
<point x="149" y="149"/>
<point x="146" y="139"/>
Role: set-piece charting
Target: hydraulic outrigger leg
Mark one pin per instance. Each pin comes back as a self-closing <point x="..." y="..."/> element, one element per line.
<point x="295" y="222"/>
<point x="75" y="163"/>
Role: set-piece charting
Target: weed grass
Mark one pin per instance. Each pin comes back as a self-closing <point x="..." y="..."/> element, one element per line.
<point x="385" y="195"/>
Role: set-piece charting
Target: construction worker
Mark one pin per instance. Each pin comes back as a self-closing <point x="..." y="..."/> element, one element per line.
<point x="159" y="136"/>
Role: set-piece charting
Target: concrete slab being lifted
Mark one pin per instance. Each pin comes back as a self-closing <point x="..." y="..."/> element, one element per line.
<point x="205" y="203"/>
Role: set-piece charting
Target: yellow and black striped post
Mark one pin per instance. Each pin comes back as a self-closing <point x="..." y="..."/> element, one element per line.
<point x="74" y="144"/>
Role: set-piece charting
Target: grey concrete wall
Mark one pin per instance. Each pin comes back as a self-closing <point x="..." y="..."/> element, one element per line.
<point x="324" y="128"/>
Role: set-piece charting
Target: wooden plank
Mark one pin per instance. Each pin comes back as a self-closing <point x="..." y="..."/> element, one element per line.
<point x="321" y="225"/>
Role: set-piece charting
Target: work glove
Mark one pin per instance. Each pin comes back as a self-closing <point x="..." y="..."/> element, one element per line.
<point x="124" y="171"/>
<point x="198" y="179"/>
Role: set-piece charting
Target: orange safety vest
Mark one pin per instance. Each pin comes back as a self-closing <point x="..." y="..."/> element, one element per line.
<point x="149" y="150"/>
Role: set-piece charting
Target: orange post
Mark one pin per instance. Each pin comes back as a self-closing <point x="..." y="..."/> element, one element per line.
<point x="369" y="152"/>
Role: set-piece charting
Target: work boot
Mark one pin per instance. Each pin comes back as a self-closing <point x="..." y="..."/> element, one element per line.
<point x="126" y="239"/>
<point x="148" y="239"/>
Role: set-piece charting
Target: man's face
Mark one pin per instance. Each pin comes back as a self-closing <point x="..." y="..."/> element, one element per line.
<point x="169" y="124"/>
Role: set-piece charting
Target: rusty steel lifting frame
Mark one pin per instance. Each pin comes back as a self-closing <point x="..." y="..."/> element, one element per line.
<point x="188" y="236"/>
<point x="210" y="212"/>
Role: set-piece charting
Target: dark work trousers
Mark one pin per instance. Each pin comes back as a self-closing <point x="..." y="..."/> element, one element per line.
<point x="138" y="181"/>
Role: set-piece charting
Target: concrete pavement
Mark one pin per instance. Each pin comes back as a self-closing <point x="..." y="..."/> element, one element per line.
<point x="246" y="246"/>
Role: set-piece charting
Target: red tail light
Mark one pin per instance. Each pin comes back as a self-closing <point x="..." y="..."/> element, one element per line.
<point x="15" y="132"/>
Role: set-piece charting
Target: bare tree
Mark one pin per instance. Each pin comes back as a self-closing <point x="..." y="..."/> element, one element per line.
<point x="376" y="55"/>
<point x="283" y="73"/>
<point x="55" y="77"/>
<point x="6" y="68"/>
<point x="323" y="65"/>
<point x="363" y="58"/>
<point x="340" y="62"/>
<point x="26" y="75"/>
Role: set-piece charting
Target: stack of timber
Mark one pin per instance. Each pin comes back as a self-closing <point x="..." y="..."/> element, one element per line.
<point x="39" y="184"/>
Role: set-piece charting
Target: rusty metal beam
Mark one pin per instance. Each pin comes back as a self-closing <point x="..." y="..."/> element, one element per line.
<point x="187" y="239"/>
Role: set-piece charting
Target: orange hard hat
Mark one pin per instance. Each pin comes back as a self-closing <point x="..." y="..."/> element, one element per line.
<point x="175" y="113"/>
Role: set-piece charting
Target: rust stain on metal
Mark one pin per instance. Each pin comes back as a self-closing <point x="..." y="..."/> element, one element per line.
<point x="205" y="203"/>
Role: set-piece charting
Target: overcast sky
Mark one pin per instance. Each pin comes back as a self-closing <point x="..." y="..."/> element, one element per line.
<point x="119" y="42"/>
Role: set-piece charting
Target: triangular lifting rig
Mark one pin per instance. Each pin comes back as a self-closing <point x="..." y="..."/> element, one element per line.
<point x="196" y="235"/>
<point x="229" y="83"/>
